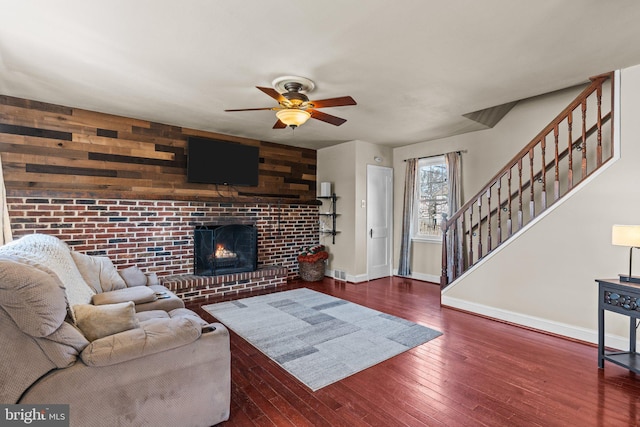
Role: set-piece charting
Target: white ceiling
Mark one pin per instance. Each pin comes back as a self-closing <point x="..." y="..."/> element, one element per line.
<point x="414" y="67"/>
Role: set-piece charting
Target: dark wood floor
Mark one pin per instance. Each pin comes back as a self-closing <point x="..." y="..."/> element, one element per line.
<point x="478" y="373"/>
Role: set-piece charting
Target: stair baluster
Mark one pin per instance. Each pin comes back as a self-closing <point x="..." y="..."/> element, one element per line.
<point x="464" y="226"/>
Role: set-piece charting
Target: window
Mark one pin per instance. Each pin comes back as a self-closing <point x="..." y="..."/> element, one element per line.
<point x="432" y="190"/>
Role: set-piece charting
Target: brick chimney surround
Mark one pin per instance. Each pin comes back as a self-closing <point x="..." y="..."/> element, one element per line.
<point x="157" y="236"/>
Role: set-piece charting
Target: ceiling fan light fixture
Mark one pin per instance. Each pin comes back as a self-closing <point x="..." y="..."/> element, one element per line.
<point x="293" y="117"/>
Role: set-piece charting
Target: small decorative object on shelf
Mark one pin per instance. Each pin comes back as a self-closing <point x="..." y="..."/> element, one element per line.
<point x="311" y="263"/>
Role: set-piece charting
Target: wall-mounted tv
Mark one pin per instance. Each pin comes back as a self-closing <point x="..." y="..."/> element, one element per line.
<point x="210" y="161"/>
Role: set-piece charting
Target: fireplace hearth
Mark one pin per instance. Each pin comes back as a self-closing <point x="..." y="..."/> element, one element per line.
<point x="224" y="249"/>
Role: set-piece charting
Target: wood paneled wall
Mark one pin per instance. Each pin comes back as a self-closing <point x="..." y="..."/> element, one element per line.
<point x="54" y="150"/>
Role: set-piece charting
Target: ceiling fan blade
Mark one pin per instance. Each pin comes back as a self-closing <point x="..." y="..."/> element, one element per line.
<point x="252" y="109"/>
<point x="279" y="125"/>
<point x="319" y="115"/>
<point x="272" y="93"/>
<point x="334" y="102"/>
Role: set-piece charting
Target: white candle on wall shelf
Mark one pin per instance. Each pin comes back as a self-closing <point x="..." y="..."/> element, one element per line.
<point x="325" y="189"/>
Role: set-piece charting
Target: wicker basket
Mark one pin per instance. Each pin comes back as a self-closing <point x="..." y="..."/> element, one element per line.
<point x="311" y="271"/>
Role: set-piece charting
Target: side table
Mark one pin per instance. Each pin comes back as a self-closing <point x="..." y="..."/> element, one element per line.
<point x="623" y="298"/>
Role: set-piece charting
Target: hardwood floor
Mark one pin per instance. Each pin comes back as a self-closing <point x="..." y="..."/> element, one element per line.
<point x="478" y="373"/>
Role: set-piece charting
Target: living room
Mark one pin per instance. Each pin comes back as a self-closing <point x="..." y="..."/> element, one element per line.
<point x="111" y="179"/>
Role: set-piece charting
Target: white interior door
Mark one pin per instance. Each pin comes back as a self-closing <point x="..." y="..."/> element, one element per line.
<point x="379" y="221"/>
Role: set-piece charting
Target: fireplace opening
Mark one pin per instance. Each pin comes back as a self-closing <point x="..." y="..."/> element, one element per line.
<point x="224" y="249"/>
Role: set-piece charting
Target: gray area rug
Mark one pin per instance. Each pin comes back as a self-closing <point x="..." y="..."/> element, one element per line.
<point x="318" y="338"/>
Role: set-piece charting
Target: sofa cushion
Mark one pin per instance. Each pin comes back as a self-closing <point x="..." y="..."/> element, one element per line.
<point x="48" y="252"/>
<point x="133" y="276"/>
<point x="151" y="314"/>
<point x="64" y="345"/>
<point x="99" y="272"/>
<point x="98" y="321"/>
<point x="138" y="294"/>
<point x="33" y="298"/>
<point x="152" y="279"/>
<point x="153" y="336"/>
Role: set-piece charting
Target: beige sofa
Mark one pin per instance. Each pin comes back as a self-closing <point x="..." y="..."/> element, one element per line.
<point x="119" y="349"/>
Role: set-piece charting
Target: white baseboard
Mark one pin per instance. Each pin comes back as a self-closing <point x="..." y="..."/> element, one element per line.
<point x="426" y="277"/>
<point x="582" y="334"/>
<point x="420" y="276"/>
<point x="358" y="278"/>
<point x="347" y="277"/>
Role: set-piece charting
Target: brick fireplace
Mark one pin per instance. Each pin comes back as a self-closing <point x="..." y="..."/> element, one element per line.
<point x="158" y="236"/>
<point x="117" y="186"/>
<point x="225" y="247"/>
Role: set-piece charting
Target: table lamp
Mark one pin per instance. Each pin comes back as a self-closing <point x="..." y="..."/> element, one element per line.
<point x="627" y="235"/>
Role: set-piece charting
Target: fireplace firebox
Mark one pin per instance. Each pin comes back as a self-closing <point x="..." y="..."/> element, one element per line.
<point x="224" y="249"/>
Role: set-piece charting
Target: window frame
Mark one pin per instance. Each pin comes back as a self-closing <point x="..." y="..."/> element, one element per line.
<point x="415" y="215"/>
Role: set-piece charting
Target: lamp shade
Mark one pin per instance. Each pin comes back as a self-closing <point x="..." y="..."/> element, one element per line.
<point x="626" y="235"/>
<point x="293" y="117"/>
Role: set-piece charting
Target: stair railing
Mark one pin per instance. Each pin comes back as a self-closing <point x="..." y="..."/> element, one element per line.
<point x="499" y="210"/>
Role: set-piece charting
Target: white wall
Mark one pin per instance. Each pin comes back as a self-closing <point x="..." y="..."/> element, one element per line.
<point x="486" y="152"/>
<point x="336" y="164"/>
<point x="545" y="278"/>
<point x="345" y="165"/>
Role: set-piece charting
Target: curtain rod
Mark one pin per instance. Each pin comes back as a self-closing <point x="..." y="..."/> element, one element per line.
<point x="438" y="155"/>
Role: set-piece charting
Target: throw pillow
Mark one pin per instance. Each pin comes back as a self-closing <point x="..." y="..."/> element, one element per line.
<point x="99" y="272"/>
<point x="133" y="276"/>
<point x="97" y="321"/>
<point x="34" y="298"/>
<point x="152" y="279"/>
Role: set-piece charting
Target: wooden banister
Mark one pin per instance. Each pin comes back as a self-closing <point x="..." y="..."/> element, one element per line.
<point x="487" y="212"/>
<point x="549" y="166"/>
<point x="518" y="157"/>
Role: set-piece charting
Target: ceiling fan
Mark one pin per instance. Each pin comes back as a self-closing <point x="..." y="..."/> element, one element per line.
<point x="295" y="107"/>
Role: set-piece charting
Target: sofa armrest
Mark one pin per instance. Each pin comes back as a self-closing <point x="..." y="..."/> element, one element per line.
<point x="187" y="385"/>
<point x="166" y="300"/>
<point x="153" y="336"/>
<point x="138" y="294"/>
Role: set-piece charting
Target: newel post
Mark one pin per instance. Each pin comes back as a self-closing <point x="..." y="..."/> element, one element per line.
<point x="444" y="278"/>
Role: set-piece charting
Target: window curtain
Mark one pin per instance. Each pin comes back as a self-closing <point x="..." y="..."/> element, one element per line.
<point x="404" y="265"/>
<point x="6" y="236"/>
<point x="455" y="253"/>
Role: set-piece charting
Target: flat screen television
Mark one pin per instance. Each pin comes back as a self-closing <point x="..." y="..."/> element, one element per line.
<point x="211" y="161"/>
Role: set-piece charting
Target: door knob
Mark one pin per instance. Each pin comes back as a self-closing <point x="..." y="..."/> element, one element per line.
<point x="371" y="233"/>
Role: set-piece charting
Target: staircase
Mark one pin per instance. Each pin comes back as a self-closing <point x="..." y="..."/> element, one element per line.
<point x="566" y="152"/>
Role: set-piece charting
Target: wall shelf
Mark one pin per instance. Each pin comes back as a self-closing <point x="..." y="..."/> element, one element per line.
<point x="332" y="214"/>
